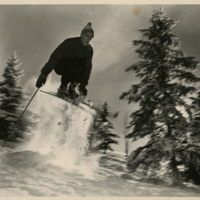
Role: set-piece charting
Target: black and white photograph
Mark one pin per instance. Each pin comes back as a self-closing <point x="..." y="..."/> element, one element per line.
<point x="99" y="100"/>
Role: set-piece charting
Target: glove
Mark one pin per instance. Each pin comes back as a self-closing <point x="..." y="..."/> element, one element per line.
<point x="41" y="80"/>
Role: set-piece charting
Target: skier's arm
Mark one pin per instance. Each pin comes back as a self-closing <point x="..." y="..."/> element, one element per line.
<point x="55" y="57"/>
<point x="88" y="70"/>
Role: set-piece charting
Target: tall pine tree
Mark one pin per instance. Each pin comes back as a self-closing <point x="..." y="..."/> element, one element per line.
<point x="12" y="97"/>
<point x="167" y="79"/>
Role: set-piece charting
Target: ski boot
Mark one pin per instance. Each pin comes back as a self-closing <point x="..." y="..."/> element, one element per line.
<point x="81" y="94"/>
<point x="72" y="91"/>
<point x="63" y="92"/>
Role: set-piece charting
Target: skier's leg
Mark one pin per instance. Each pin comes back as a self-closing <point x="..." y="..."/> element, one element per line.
<point x="80" y="90"/>
<point x="82" y="87"/>
<point x="63" y="89"/>
<point x="72" y="90"/>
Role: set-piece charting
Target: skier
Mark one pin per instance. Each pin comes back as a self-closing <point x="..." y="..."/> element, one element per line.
<point x="72" y="59"/>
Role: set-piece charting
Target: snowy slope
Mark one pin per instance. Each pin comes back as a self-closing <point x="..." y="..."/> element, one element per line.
<point x="56" y="162"/>
<point x="27" y="174"/>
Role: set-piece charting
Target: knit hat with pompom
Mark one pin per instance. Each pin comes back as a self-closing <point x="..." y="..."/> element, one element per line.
<point x="88" y="27"/>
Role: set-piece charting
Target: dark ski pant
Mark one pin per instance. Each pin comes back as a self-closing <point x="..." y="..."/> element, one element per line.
<point x="68" y="76"/>
<point x="71" y="70"/>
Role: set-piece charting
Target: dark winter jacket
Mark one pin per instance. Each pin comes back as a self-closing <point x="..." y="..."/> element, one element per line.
<point x="73" y="56"/>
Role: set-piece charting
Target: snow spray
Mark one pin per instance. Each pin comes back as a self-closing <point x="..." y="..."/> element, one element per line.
<point x="61" y="132"/>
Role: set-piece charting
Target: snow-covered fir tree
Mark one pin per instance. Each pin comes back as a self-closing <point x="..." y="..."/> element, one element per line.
<point x="101" y="130"/>
<point x="11" y="90"/>
<point x="167" y="79"/>
<point x="105" y="129"/>
<point x="12" y="98"/>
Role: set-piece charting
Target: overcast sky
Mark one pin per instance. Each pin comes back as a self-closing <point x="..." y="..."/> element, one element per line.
<point x="34" y="31"/>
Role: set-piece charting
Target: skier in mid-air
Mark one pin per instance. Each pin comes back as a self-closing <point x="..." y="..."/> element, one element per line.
<point x="72" y="59"/>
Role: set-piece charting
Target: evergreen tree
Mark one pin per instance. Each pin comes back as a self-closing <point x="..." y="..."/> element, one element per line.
<point x="105" y="126"/>
<point x="167" y="79"/>
<point x="12" y="97"/>
<point x="100" y="132"/>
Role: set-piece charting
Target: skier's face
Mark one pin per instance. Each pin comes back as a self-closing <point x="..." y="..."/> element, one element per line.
<point x="86" y="38"/>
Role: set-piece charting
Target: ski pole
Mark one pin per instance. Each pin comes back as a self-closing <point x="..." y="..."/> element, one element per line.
<point x="20" y="117"/>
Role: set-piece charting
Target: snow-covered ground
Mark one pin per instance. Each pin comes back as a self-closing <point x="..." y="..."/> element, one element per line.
<point x="54" y="163"/>
<point x="28" y="173"/>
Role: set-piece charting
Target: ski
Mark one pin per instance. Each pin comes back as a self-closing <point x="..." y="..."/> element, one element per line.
<point x="75" y="102"/>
